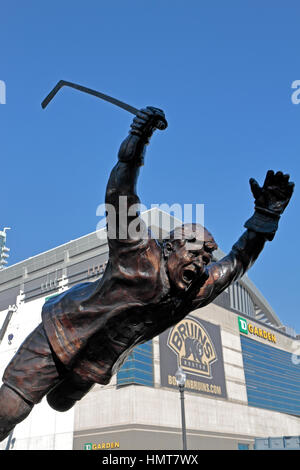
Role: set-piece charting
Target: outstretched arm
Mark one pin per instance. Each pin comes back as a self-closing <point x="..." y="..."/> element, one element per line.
<point x="270" y="201"/>
<point x="230" y="268"/>
<point x="121" y="191"/>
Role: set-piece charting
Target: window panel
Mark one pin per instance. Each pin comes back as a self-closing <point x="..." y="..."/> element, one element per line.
<point x="138" y="368"/>
<point x="272" y="380"/>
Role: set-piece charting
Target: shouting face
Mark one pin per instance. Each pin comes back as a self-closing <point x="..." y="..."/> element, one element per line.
<point x="188" y="252"/>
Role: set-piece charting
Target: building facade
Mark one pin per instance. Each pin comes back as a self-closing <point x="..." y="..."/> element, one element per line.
<point x="242" y="366"/>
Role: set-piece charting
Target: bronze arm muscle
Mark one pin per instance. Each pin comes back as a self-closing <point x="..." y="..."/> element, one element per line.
<point x="121" y="191"/>
<point x="230" y="268"/>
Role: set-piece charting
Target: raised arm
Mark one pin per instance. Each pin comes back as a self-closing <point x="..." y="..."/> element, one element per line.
<point x="121" y="191"/>
<point x="270" y="201"/>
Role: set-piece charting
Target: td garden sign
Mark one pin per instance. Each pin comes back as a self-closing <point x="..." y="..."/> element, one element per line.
<point x="246" y="328"/>
<point x="196" y="347"/>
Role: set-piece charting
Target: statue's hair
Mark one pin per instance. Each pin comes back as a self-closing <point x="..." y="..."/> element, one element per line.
<point x="188" y="232"/>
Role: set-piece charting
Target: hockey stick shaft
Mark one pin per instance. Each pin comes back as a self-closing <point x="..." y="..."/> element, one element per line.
<point x="104" y="97"/>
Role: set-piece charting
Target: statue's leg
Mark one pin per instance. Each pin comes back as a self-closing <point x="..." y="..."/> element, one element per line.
<point x="13" y="409"/>
<point x="32" y="372"/>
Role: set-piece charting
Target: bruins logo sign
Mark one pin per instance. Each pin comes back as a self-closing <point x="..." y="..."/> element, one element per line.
<point x="193" y="346"/>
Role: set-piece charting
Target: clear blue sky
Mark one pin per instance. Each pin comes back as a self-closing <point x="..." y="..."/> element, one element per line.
<point x="222" y="71"/>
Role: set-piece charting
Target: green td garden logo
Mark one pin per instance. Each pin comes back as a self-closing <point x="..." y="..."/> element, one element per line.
<point x="243" y="325"/>
<point x="246" y="327"/>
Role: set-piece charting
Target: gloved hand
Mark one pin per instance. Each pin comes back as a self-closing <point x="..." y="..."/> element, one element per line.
<point x="146" y="121"/>
<point x="270" y="201"/>
<point x="144" y="124"/>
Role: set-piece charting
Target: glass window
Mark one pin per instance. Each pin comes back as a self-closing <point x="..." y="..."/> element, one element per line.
<point x="272" y="379"/>
<point x="243" y="446"/>
<point x="138" y="368"/>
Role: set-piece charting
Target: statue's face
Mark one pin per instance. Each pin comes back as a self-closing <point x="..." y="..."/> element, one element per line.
<point x="188" y="255"/>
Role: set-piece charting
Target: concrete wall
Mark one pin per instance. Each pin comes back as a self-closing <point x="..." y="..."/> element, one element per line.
<point x="147" y="418"/>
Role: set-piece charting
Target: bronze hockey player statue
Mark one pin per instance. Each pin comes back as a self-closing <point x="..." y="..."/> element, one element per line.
<point x="88" y="331"/>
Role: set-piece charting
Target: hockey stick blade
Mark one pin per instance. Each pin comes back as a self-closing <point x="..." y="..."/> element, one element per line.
<point x="52" y="93"/>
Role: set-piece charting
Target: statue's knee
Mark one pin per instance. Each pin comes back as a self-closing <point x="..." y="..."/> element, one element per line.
<point x="13" y="410"/>
<point x="13" y="407"/>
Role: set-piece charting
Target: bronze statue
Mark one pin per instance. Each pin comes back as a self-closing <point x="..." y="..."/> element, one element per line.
<point x="88" y="331"/>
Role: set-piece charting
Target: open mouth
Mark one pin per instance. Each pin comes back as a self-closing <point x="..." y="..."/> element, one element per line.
<point x="189" y="274"/>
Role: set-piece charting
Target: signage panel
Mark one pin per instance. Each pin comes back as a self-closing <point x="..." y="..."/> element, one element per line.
<point x="246" y="327"/>
<point x="195" y="346"/>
